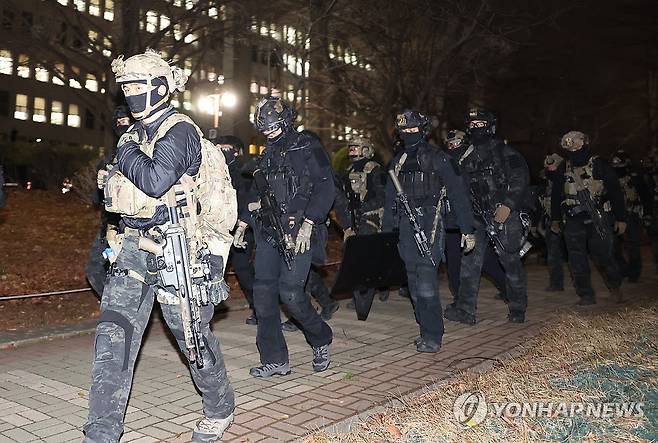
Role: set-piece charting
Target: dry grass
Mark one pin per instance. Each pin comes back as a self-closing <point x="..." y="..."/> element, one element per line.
<point x="594" y="358"/>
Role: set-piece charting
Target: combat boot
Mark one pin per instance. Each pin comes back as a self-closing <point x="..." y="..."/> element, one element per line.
<point x="328" y="311"/>
<point x="586" y="301"/>
<point x="270" y="369"/>
<point x="321" y="358"/>
<point x="252" y="320"/>
<point x="429" y="346"/>
<point x="516" y="316"/>
<point x="210" y="430"/>
<point x="617" y="295"/>
<point x="453" y="313"/>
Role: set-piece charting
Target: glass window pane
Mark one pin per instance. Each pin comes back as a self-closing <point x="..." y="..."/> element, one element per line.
<point x="91" y="83"/>
<point x="152" y="21"/>
<point x="56" y="113"/>
<point x="6" y="62"/>
<point x="23" y="69"/>
<point x="109" y="10"/>
<point x="95" y="7"/>
<point x="73" y="119"/>
<point x="20" y="112"/>
<point x="39" y="114"/>
<point x="41" y="74"/>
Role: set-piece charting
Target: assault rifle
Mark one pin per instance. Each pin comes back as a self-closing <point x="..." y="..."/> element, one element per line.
<point x="353" y="204"/>
<point x="420" y="238"/>
<point x="171" y="259"/>
<point x="585" y="199"/>
<point x="270" y="215"/>
<point x="489" y="227"/>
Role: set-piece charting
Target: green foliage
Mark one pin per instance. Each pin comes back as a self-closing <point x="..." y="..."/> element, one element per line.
<point x="340" y="160"/>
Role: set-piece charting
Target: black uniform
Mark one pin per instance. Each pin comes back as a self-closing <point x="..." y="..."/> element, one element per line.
<point x="497" y="175"/>
<point x="491" y="266"/>
<point x="424" y="172"/>
<point x="554" y="240"/>
<point x="579" y="234"/>
<point x="300" y="175"/>
<point x="650" y="191"/>
<point x="630" y="267"/>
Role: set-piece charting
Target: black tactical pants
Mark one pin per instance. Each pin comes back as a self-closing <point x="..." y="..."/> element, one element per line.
<point x="422" y="275"/>
<point x="96" y="269"/>
<point x="516" y="283"/>
<point x="627" y="249"/>
<point x="491" y="266"/>
<point x="555" y="258"/>
<point x="125" y="311"/>
<point x="652" y="231"/>
<point x="243" y="265"/>
<point x="581" y="238"/>
<point x="274" y="283"/>
<point x="317" y="288"/>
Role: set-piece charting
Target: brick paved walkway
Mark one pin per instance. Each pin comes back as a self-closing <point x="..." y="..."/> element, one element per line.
<point x="44" y="387"/>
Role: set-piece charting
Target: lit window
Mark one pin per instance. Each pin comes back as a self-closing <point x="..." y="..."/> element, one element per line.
<point x="252" y="111"/>
<point x="63" y="2"/>
<point x="58" y="74"/>
<point x="253" y="88"/>
<point x="220" y="79"/>
<point x="254" y="24"/>
<point x="93" y="36"/>
<point x="6" y="62"/>
<point x="91" y="83"/>
<point x="213" y="12"/>
<point x="291" y="63"/>
<point x="307" y="68"/>
<point x="212" y="76"/>
<point x="73" y="81"/>
<point x="274" y="32"/>
<point x="275" y="93"/>
<point x="290" y="37"/>
<point x="291" y="96"/>
<point x="39" y="114"/>
<point x="56" y="113"/>
<point x="152" y="21"/>
<point x="178" y="3"/>
<point x="263" y="90"/>
<point x="73" y="119"/>
<point x="178" y="34"/>
<point x="298" y="69"/>
<point x="189" y="4"/>
<point x="187" y="100"/>
<point x="109" y="10"/>
<point x="188" y="67"/>
<point x="20" y="113"/>
<point x="264" y="31"/>
<point x="23" y="69"/>
<point x="175" y="103"/>
<point x="95" y="7"/>
<point x="80" y="5"/>
<point x="189" y="38"/>
<point x="164" y="22"/>
<point x="41" y="74"/>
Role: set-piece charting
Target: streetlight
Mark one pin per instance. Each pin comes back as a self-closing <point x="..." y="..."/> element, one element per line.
<point x="213" y="103"/>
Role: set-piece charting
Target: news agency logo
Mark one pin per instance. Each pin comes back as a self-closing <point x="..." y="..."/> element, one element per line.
<point x="470" y="409"/>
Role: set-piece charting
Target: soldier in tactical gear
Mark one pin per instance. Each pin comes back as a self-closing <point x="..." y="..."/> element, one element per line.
<point x="162" y="157"/>
<point x="631" y="186"/>
<point x="554" y="241"/>
<point x="360" y="197"/>
<point x="97" y="265"/>
<point x="422" y="171"/>
<point x="585" y="189"/>
<point x="298" y="187"/>
<point x="456" y="143"/>
<point x="241" y="259"/>
<point x="498" y="179"/>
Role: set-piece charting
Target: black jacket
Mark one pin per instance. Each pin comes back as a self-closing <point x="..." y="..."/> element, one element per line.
<point x="175" y="154"/>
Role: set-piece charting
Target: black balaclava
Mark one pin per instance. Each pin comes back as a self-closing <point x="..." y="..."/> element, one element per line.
<point x="581" y="156"/>
<point x="456" y="153"/>
<point x="479" y="136"/>
<point x="411" y="139"/>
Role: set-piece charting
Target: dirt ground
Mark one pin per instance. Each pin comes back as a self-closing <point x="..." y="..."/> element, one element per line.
<point x="44" y="245"/>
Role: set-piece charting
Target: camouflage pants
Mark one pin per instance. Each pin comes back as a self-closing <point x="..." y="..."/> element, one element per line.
<point x="125" y="311"/>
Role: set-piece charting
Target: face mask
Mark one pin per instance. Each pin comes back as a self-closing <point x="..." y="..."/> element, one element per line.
<point x="230" y="155"/>
<point x="580" y="156"/>
<point x="456" y="153"/>
<point x="479" y="135"/>
<point x="411" y="138"/>
<point x="119" y="130"/>
<point x="143" y="105"/>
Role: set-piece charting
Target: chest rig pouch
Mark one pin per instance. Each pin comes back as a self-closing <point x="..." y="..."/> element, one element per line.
<point x="595" y="187"/>
<point x="631" y="197"/>
<point x="359" y="179"/>
<point x="422" y="186"/>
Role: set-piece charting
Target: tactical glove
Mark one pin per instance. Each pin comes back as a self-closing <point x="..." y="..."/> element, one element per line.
<point x="347" y="233"/>
<point x="129" y="136"/>
<point x="620" y="227"/>
<point x="303" y="241"/>
<point x="238" y="238"/>
<point x="467" y="242"/>
<point x="555" y="227"/>
<point x="502" y="214"/>
<point x="218" y="290"/>
<point x="101" y="177"/>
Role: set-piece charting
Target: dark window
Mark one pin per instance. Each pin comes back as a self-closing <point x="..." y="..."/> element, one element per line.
<point x="4" y="103"/>
<point x="8" y="20"/>
<point x="254" y="53"/>
<point x="89" y="119"/>
<point x="27" y="21"/>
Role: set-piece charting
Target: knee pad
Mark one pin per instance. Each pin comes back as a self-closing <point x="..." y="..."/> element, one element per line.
<point x="113" y="338"/>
